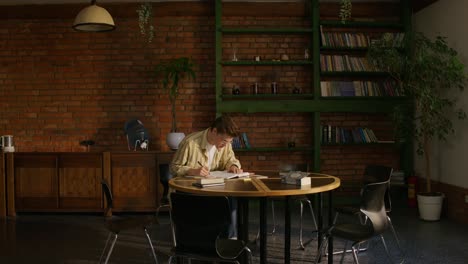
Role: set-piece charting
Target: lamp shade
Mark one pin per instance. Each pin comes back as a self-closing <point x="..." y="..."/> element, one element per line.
<point x="94" y="19"/>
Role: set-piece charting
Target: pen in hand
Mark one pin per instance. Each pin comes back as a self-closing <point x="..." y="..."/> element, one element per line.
<point x="204" y="170"/>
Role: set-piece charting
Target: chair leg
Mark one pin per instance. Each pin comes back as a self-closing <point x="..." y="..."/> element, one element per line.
<point x="300" y="225"/>
<point x="355" y="252"/>
<point x="319" y="253"/>
<point x="344" y="250"/>
<point x="151" y="245"/>
<point x="111" y="248"/>
<point x="257" y="237"/>
<point x="394" y="233"/>
<point x="172" y="229"/>
<point x="105" y="247"/>
<point x="300" y="219"/>
<point x="273" y="216"/>
<point x="386" y="249"/>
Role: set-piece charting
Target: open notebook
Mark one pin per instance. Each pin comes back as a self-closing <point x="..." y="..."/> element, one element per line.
<point x="228" y="175"/>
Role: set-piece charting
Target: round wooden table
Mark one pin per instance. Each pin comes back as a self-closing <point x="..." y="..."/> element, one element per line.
<point x="261" y="188"/>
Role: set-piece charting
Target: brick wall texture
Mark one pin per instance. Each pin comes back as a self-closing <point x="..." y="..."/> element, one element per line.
<point x="59" y="87"/>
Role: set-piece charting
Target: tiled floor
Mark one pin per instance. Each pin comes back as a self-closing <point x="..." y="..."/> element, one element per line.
<point x="79" y="239"/>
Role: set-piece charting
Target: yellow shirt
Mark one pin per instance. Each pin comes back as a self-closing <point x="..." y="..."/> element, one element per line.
<point x="192" y="150"/>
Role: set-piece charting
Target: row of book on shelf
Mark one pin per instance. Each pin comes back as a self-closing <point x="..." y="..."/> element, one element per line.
<point x="357" y="39"/>
<point x="358" y="88"/>
<point x="345" y="63"/>
<point x="335" y="134"/>
<point x="241" y="142"/>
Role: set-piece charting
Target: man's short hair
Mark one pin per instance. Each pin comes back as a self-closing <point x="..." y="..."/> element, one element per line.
<point x="225" y="125"/>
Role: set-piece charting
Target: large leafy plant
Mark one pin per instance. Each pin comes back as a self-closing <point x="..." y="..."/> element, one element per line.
<point x="171" y="73"/>
<point x="430" y="73"/>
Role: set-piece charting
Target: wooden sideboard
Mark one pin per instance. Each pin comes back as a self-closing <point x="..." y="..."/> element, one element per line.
<point x="71" y="182"/>
<point x="3" y="201"/>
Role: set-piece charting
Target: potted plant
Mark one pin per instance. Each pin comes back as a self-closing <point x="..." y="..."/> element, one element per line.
<point x="171" y="73"/>
<point x="430" y="73"/>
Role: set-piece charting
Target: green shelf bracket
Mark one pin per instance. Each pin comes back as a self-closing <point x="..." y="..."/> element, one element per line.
<point x="362" y="24"/>
<point x="267" y="30"/>
<point x="357" y="105"/>
<point x="275" y="149"/>
<point x="260" y="63"/>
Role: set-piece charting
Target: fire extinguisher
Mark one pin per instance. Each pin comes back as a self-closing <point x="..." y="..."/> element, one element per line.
<point x="412" y="189"/>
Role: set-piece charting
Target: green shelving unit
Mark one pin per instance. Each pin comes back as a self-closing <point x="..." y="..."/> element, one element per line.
<point x="311" y="102"/>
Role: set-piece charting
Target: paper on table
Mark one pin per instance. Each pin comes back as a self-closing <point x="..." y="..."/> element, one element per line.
<point x="228" y="175"/>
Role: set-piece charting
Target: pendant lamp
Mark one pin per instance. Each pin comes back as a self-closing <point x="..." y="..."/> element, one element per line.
<point x="94" y="19"/>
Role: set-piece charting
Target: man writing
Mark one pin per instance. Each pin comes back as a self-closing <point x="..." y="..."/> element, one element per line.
<point x="209" y="150"/>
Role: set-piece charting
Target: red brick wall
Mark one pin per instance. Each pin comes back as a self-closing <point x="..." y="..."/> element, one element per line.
<point x="59" y="87"/>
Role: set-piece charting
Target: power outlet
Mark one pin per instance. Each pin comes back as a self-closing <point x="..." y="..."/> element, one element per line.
<point x="466" y="198"/>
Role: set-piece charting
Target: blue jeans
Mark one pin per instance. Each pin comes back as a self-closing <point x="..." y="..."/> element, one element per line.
<point x="232" y="230"/>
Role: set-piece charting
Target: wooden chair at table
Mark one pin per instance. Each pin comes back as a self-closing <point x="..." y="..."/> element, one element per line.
<point x="116" y="224"/>
<point x="200" y="225"/>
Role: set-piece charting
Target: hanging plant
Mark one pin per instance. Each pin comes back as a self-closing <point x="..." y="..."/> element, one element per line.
<point x="345" y="10"/>
<point x="145" y="20"/>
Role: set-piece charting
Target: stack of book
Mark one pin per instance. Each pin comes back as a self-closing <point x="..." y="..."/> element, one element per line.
<point x="208" y="182"/>
<point x="398" y="178"/>
<point x="241" y="142"/>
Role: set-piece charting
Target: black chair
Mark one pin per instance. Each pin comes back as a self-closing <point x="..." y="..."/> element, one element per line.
<point x="373" y="207"/>
<point x="372" y="174"/>
<point x="200" y="225"/>
<point x="302" y="200"/>
<point x="115" y="224"/>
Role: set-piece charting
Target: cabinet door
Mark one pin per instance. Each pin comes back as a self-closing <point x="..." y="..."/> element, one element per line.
<point x="134" y="181"/>
<point x="3" y="199"/>
<point x="36" y="182"/>
<point x="80" y="181"/>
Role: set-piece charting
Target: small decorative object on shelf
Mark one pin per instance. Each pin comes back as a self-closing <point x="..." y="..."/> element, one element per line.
<point x="234" y="54"/>
<point x="274" y="87"/>
<point x="345" y="10"/>
<point x="291" y="141"/>
<point x="255" y="88"/>
<point x="306" y="54"/>
<point x="296" y="90"/>
<point x="257" y="58"/>
<point x="284" y="57"/>
<point x="87" y="144"/>
<point x="236" y="90"/>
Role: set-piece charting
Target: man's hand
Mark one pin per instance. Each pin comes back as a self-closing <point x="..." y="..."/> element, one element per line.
<point x="202" y="171"/>
<point x="235" y="169"/>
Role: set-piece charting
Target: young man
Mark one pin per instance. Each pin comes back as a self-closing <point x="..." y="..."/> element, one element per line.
<point x="209" y="150"/>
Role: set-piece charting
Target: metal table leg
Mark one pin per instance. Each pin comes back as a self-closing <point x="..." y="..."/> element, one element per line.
<point x="263" y="232"/>
<point x="330" y="223"/>
<point x="287" y="230"/>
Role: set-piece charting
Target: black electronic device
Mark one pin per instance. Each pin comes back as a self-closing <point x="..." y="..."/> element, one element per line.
<point x="137" y="135"/>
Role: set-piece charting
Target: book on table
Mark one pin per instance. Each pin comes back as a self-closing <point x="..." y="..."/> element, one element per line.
<point x="203" y="185"/>
<point x="210" y="180"/>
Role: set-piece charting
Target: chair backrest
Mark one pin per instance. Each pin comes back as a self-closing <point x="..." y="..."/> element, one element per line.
<point x="380" y="173"/>
<point x="108" y="194"/>
<point x="373" y="205"/>
<point x="198" y="221"/>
